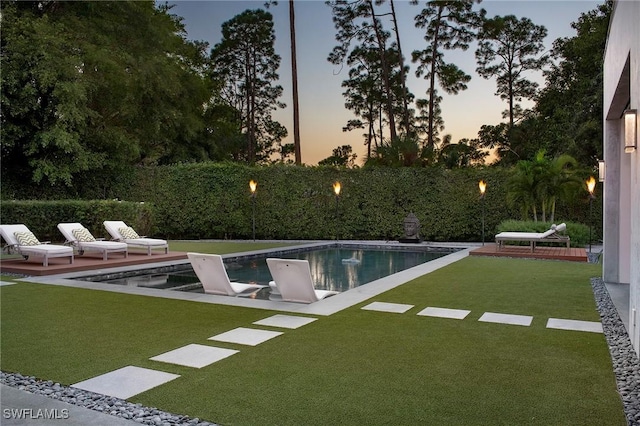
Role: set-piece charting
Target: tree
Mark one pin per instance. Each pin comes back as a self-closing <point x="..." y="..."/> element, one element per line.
<point x="465" y="153"/>
<point x="448" y="25"/>
<point x="570" y="106"/>
<point x="342" y="157"/>
<point x="357" y="20"/>
<point x="246" y="62"/>
<point x="294" y="81"/>
<point x="507" y="48"/>
<point x="105" y="84"/>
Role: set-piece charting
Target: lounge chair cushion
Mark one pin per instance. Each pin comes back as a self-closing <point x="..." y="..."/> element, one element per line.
<point x="83" y="235"/>
<point x="128" y="233"/>
<point x="26" y="238"/>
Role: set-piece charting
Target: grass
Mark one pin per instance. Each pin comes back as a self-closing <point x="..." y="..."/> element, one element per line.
<point x="353" y="367"/>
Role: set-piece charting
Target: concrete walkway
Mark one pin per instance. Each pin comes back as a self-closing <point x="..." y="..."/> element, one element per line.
<point x="20" y="407"/>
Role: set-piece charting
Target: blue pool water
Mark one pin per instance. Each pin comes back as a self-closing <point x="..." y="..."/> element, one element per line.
<point x="337" y="269"/>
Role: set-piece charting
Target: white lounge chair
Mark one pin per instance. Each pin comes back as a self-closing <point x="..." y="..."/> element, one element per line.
<point x="292" y="277"/>
<point x="550" y="236"/>
<point x="20" y="240"/>
<point x="80" y="238"/>
<point x="212" y="274"/>
<point x="119" y="231"/>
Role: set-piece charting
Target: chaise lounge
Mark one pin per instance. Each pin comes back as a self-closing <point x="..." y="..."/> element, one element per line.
<point x="119" y="231"/>
<point x="292" y="278"/>
<point x="550" y="236"/>
<point x="79" y="237"/>
<point x="21" y="240"/>
<point x="214" y="279"/>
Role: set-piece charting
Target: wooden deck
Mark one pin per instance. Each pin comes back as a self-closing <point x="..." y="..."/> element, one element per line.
<point x="553" y="253"/>
<point x="85" y="262"/>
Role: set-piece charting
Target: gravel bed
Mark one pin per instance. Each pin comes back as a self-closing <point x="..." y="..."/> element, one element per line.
<point x="98" y="402"/>
<point x="623" y="356"/>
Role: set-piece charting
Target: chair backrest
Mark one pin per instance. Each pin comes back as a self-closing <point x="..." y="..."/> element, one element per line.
<point x="293" y="279"/>
<point x="211" y="272"/>
<point x="113" y="226"/>
<point x="67" y="230"/>
<point x="7" y="232"/>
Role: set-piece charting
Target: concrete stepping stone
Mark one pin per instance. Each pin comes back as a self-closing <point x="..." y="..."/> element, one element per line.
<point x="575" y="325"/>
<point x="396" y="308"/>
<point x="444" y="313"/>
<point x="194" y="355"/>
<point x="246" y="336"/>
<point x="285" y="321"/>
<point x="523" y="320"/>
<point x="7" y="283"/>
<point x="126" y="382"/>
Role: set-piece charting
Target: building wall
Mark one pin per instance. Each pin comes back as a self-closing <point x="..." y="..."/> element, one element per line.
<point x="621" y="256"/>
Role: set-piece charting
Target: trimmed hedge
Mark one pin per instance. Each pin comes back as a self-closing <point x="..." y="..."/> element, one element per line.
<point x="212" y="200"/>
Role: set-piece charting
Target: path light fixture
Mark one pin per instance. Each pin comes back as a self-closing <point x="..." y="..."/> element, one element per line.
<point x="336" y="189"/>
<point x="483" y="188"/>
<point x="253" y="185"/>
<point x="591" y="186"/>
<point x="630" y="130"/>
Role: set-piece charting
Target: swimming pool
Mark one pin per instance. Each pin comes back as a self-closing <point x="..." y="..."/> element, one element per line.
<point x="337" y="268"/>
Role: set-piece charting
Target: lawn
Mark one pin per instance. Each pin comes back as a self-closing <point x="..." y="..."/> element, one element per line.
<point x="353" y="367"/>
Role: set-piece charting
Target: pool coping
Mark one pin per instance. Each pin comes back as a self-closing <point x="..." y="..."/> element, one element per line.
<point x="323" y="307"/>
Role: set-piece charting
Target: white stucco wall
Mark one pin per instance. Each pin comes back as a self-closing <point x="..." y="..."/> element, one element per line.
<point x="622" y="183"/>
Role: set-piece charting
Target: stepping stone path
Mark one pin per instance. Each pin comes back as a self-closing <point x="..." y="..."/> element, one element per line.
<point x="129" y="381"/>
<point x="493" y="317"/>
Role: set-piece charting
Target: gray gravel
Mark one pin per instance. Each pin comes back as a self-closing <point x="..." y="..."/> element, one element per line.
<point x="623" y="356"/>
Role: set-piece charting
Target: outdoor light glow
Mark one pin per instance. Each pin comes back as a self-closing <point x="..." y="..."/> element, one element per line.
<point x="591" y="184"/>
<point x="483" y="186"/>
<point x="630" y="136"/>
<point x="253" y="185"/>
<point x="602" y="169"/>
<point x="336" y="188"/>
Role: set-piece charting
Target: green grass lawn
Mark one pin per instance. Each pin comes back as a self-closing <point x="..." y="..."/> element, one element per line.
<point x="354" y="367"/>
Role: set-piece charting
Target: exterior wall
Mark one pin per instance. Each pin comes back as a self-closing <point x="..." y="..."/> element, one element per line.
<point x="621" y="257"/>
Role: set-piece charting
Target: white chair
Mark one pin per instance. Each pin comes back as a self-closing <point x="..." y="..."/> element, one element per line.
<point x="212" y="274"/>
<point x="293" y="280"/>
<point x="549" y="236"/>
<point x="79" y="237"/>
<point x="119" y="231"/>
<point x="22" y="241"/>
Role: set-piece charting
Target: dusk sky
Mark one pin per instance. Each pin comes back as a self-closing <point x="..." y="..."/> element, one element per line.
<point x="322" y="111"/>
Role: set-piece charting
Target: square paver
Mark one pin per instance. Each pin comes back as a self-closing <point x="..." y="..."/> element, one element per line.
<point x="285" y="321"/>
<point x="524" y="320"/>
<point x="444" y="313"/>
<point x="396" y="308"/>
<point x="575" y="325"/>
<point x="6" y="283"/>
<point x="194" y="355"/>
<point x="126" y="382"/>
<point x="246" y="336"/>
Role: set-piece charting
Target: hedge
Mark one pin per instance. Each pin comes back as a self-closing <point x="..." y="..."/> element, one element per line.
<point x="212" y="200"/>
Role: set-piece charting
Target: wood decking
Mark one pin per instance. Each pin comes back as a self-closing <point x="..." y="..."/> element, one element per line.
<point x="85" y="262"/>
<point x="555" y="253"/>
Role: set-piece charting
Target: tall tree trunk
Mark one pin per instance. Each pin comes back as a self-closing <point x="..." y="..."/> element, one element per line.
<point x="385" y="72"/>
<point x="403" y="75"/>
<point x="294" y="80"/>
<point x="432" y="80"/>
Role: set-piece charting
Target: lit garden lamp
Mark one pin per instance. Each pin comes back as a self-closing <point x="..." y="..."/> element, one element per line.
<point x="591" y="186"/>
<point x="336" y="189"/>
<point x="483" y="187"/>
<point x="253" y="185"/>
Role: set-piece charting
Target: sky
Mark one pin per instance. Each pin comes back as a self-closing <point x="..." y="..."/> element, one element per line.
<point x="321" y="103"/>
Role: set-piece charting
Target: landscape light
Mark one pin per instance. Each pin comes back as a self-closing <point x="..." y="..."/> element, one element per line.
<point x="336" y="188"/>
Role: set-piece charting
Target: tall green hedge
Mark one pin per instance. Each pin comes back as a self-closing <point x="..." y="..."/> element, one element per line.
<point x="212" y="200"/>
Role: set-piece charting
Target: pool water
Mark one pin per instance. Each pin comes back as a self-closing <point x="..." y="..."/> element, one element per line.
<point x="337" y="269"/>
